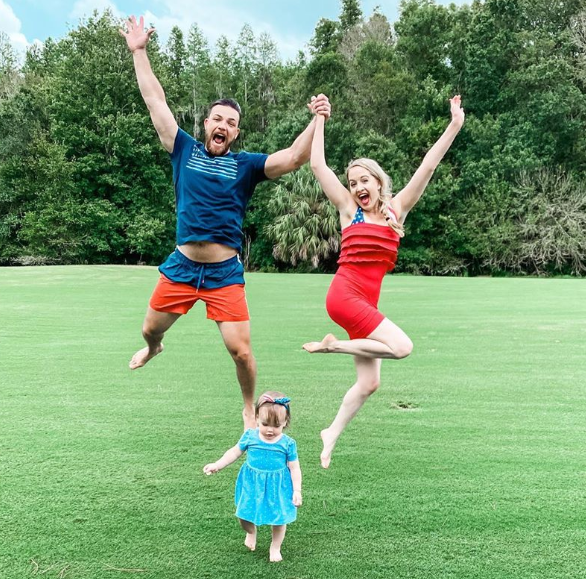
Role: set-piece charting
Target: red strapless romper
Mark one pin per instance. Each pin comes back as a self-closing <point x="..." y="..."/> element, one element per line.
<point x="368" y="252"/>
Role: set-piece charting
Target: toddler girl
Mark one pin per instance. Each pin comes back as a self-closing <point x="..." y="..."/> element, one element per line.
<point x="268" y="488"/>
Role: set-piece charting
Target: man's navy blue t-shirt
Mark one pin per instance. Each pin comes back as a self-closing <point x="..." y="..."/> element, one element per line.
<point x="211" y="193"/>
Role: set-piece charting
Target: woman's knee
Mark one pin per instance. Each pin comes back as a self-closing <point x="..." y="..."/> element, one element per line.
<point x="403" y="348"/>
<point x="369" y="385"/>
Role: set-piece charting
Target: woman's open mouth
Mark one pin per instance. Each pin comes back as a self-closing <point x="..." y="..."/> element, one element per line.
<point x="364" y="198"/>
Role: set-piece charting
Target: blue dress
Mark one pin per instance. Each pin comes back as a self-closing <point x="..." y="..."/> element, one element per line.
<point x="264" y="489"/>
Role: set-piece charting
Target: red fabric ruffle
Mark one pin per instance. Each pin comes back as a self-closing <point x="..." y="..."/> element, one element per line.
<point x="369" y="243"/>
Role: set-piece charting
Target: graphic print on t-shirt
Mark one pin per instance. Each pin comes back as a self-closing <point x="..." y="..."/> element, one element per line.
<point x="225" y="166"/>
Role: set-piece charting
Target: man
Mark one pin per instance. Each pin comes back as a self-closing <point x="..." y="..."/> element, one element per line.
<point x="212" y="187"/>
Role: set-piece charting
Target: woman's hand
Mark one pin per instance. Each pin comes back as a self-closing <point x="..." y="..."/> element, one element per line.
<point x="320" y="105"/>
<point x="457" y="111"/>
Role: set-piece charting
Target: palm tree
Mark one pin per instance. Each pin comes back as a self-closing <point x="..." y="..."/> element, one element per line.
<point x="304" y="225"/>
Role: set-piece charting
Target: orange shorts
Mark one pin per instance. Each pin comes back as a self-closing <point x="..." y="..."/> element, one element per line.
<point x="225" y="304"/>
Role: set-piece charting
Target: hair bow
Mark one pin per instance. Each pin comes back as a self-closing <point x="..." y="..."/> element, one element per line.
<point x="283" y="401"/>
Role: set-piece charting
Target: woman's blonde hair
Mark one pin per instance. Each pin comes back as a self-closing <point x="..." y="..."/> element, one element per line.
<point x="386" y="194"/>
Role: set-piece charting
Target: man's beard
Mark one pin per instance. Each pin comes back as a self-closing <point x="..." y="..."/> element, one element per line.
<point x="217" y="149"/>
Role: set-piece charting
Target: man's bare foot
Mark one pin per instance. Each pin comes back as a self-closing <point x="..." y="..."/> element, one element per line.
<point x="248" y="418"/>
<point x="275" y="554"/>
<point x="326" y="453"/>
<point x="322" y="347"/>
<point x="143" y="356"/>
<point x="250" y="540"/>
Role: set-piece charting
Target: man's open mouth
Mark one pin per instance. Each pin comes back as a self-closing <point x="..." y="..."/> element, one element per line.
<point x="219" y="139"/>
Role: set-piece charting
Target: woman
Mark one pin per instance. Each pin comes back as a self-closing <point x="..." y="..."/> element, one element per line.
<point x="372" y="226"/>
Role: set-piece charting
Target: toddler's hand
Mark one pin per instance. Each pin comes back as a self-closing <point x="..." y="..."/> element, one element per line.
<point x="211" y="468"/>
<point x="297" y="500"/>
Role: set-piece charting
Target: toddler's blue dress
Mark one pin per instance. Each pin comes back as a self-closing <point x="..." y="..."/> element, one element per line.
<point x="264" y="489"/>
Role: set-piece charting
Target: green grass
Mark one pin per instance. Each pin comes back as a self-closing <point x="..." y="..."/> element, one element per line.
<point x="469" y="462"/>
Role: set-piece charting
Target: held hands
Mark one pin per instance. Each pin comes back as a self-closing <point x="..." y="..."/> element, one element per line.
<point x="297" y="500"/>
<point x="136" y="37"/>
<point x="457" y="111"/>
<point x="320" y="105"/>
<point x="211" y="468"/>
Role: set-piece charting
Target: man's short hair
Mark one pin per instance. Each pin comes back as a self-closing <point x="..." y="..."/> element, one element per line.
<point x="225" y="103"/>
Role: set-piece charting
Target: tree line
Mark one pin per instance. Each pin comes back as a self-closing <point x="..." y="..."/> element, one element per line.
<point x="83" y="178"/>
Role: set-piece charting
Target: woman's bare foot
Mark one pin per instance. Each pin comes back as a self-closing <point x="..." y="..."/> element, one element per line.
<point x="275" y="554"/>
<point x="322" y="347"/>
<point x="143" y="356"/>
<point x="250" y="540"/>
<point x="329" y="443"/>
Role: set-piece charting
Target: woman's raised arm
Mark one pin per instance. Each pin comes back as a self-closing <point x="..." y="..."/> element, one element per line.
<point x="412" y="192"/>
<point x="329" y="182"/>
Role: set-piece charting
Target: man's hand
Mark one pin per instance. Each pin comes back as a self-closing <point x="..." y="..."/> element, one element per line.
<point x="136" y="37"/>
<point x="320" y="105"/>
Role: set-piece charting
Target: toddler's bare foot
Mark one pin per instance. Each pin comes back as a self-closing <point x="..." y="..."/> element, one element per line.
<point x="322" y="347"/>
<point x="250" y="540"/>
<point x="143" y="356"/>
<point x="275" y="554"/>
<point x="329" y="443"/>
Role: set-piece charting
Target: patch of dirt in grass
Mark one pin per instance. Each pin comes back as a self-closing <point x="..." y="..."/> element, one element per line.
<point x="404" y="405"/>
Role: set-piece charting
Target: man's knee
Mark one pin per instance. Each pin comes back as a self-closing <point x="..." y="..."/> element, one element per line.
<point x="241" y="354"/>
<point x="153" y="329"/>
<point x="149" y="330"/>
<point x="157" y="323"/>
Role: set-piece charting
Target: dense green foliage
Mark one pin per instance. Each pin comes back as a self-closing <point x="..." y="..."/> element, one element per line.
<point x="83" y="178"/>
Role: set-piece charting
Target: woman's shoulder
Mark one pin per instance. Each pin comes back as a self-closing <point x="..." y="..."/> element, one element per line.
<point x="396" y="209"/>
<point x="348" y="213"/>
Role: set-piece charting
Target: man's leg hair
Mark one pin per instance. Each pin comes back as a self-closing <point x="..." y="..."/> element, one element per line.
<point x="153" y="329"/>
<point x="236" y="336"/>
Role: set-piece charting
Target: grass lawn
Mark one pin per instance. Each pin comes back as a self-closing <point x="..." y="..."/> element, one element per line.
<point x="469" y="462"/>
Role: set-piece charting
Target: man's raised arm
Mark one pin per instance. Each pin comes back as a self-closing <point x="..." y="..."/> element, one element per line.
<point x="150" y="88"/>
<point x="298" y="153"/>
